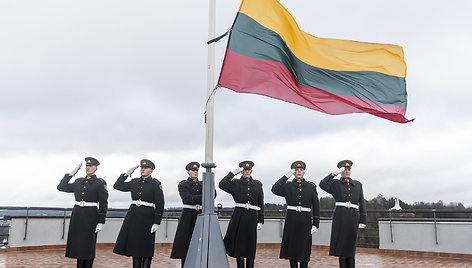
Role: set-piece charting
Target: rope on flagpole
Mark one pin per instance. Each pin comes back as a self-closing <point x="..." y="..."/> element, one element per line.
<point x="216" y="39"/>
<point x="213" y="92"/>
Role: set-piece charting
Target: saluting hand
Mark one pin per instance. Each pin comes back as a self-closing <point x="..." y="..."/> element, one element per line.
<point x="75" y="170"/>
<point x="131" y="170"/>
<point x="259" y="226"/>
<point x="362" y="226"/>
<point x="290" y="173"/>
<point x="154" y="228"/>
<point x="237" y="171"/>
<point x="337" y="172"/>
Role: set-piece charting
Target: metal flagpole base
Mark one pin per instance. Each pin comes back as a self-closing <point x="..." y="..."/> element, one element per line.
<point x="207" y="248"/>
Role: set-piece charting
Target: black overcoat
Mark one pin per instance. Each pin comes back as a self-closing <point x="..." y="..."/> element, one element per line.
<point x="135" y="238"/>
<point x="191" y="193"/>
<point x="296" y="238"/>
<point x="81" y="238"/>
<point x="241" y="236"/>
<point x="345" y="220"/>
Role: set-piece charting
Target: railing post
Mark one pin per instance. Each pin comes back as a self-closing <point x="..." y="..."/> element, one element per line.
<point x="64" y="224"/>
<point x="391" y="227"/>
<point x="435" y="227"/>
<point x="167" y="219"/>
<point x="26" y="222"/>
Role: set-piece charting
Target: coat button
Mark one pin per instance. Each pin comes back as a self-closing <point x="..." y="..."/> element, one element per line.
<point x="299" y="203"/>
<point x="248" y="189"/>
<point x="82" y="192"/>
<point x="85" y="187"/>
<point x="300" y="196"/>
<point x="300" y="190"/>
<point x="349" y="195"/>
<point x="139" y="192"/>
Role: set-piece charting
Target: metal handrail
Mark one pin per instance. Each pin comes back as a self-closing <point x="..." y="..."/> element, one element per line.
<point x="272" y="213"/>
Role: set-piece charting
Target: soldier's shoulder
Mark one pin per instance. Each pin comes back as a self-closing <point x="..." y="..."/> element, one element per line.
<point x="81" y="178"/>
<point x="312" y="183"/>
<point x="102" y="180"/>
<point x="357" y="182"/>
<point x="182" y="182"/>
<point x="156" y="181"/>
<point x="258" y="182"/>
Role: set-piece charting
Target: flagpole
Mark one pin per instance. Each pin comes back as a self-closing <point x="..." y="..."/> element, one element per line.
<point x="207" y="248"/>
<point x="210" y="85"/>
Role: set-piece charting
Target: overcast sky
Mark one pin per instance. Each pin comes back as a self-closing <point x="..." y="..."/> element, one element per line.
<point x="126" y="80"/>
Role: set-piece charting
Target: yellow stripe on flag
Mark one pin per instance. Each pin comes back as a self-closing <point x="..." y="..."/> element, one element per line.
<point x="332" y="54"/>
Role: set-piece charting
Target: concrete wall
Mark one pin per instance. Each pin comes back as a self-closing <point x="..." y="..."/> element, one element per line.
<point x="48" y="231"/>
<point x="452" y="237"/>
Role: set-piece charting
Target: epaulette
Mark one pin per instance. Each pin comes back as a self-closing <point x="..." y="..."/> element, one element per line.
<point x="258" y="181"/>
<point x="312" y="183"/>
<point x="182" y="181"/>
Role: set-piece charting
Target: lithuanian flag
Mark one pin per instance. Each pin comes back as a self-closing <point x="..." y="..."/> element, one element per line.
<point x="268" y="54"/>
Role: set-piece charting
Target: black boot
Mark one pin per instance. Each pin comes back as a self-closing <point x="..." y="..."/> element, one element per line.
<point x="342" y="262"/>
<point x="304" y="264"/>
<point x="80" y="263"/>
<point x="293" y="264"/>
<point x="89" y="263"/>
<point x="182" y="261"/>
<point x="137" y="262"/>
<point x="249" y="263"/>
<point x="147" y="262"/>
<point x="240" y="262"/>
<point x="351" y="262"/>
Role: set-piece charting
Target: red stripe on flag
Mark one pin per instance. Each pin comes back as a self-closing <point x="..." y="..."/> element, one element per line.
<point x="272" y="79"/>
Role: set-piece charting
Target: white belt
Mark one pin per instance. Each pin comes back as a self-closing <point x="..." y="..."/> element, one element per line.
<point x="86" y="204"/>
<point x="142" y="203"/>
<point x="299" y="208"/>
<point x="196" y="207"/>
<point x="247" y="206"/>
<point x="347" y="204"/>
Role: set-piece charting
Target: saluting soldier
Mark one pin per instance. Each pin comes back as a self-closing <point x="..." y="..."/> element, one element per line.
<point x="349" y="214"/>
<point x="138" y="232"/>
<point x="86" y="220"/>
<point x="248" y="216"/>
<point x="190" y="191"/>
<point x="303" y="215"/>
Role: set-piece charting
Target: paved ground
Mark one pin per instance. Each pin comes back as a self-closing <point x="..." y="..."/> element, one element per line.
<point x="266" y="257"/>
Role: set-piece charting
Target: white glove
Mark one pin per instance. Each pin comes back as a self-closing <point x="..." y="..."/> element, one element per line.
<point x="75" y="170"/>
<point x="237" y="171"/>
<point x="154" y="228"/>
<point x="361" y="226"/>
<point x="99" y="227"/>
<point x="338" y="171"/>
<point x="131" y="170"/>
<point x="313" y="229"/>
<point x="290" y="173"/>
<point x="259" y="226"/>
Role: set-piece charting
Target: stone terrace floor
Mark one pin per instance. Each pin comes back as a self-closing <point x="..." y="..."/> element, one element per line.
<point x="266" y="257"/>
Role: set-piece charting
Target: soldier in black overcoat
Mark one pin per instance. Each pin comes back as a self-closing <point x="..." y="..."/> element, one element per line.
<point x="303" y="215"/>
<point x="349" y="214"/>
<point x="86" y="220"/>
<point x="138" y="232"/>
<point x="190" y="191"/>
<point x="248" y="216"/>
